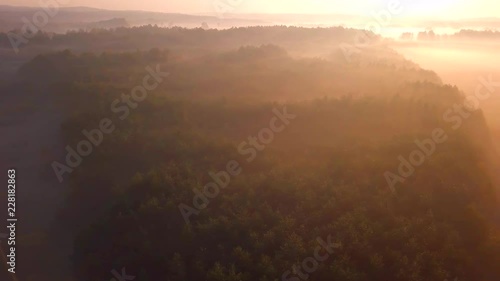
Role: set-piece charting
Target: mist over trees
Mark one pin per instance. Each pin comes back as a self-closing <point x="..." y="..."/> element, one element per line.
<point x="322" y="175"/>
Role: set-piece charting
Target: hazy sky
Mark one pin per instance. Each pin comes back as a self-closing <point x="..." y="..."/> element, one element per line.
<point x="434" y="8"/>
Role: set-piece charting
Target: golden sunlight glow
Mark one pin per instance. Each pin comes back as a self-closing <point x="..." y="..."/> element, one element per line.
<point x="440" y="9"/>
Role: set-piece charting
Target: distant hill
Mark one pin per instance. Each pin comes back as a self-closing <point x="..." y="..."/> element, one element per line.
<point x="112" y="23"/>
<point x="75" y="18"/>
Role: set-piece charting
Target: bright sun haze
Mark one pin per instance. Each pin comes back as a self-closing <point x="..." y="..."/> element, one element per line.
<point x="441" y="9"/>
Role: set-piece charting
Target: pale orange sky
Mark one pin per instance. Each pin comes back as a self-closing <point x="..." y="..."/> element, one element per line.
<point x="450" y="9"/>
